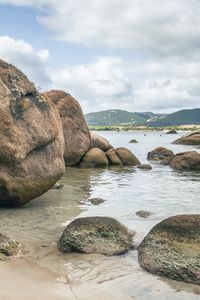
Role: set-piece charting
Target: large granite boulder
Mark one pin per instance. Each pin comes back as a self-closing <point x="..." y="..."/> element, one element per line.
<point x="32" y="144"/>
<point x="98" y="141"/>
<point x="189" y="139"/>
<point x="127" y="157"/>
<point x="94" y="158"/>
<point x="96" y="235"/>
<point x="172" y="249"/>
<point x="189" y="160"/>
<point x="160" y="154"/>
<point x="75" y="129"/>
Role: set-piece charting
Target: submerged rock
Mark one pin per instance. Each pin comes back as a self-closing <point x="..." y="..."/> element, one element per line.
<point x="96" y="235"/>
<point x="143" y="213"/>
<point x="160" y="154"/>
<point x="94" y="158"/>
<point x="98" y="141"/>
<point x="96" y="201"/>
<point x="113" y="158"/>
<point x="189" y="139"/>
<point x="189" y="160"/>
<point x="8" y="247"/>
<point x="172" y="249"/>
<point x="127" y="157"/>
<point x="75" y="129"/>
<point x="145" y="167"/>
<point x="32" y="144"/>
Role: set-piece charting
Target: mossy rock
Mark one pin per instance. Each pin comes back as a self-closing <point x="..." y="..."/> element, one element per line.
<point x="96" y="235"/>
<point x="172" y="249"/>
<point x="8" y="247"/>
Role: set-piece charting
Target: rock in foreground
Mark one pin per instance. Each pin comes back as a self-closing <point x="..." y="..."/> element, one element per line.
<point x="172" y="249"/>
<point x="32" y="144"/>
<point x="189" y="139"/>
<point x="96" y="235"/>
<point x="160" y="154"/>
<point x="94" y="158"/>
<point x="98" y="141"/>
<point x="8" y="247"/>
<point x="127" y="157"/>
<point x="75" y="129"/>
<point x="189" y="160"/>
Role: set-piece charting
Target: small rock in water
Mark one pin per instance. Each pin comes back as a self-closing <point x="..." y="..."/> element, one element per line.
<point x="133" y="141"/>
<point x="96" y="201"/>
<point x="8" y="247"/>
<point x="145" y="167"/>
<point x="96" y="235"/>
<point x="143" y="213"/>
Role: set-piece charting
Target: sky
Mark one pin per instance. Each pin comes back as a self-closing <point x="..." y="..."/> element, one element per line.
<point x="137" y="55"/>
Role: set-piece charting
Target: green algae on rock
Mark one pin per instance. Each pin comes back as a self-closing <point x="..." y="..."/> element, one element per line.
<point x="8" y="247"/>
<point x="172" y="249"/>
<point x="96" y="235"/>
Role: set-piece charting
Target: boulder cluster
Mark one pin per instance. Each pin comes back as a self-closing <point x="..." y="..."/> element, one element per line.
<point x="40" y="135"/>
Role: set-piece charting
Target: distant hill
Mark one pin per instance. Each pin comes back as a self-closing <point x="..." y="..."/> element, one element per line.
<point x="118" y="117"/>
<point x="182" y="117"/>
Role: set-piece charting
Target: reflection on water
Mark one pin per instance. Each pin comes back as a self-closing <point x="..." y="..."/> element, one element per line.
<point x="163" y="191"/>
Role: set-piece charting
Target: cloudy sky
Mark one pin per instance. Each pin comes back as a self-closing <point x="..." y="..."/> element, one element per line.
<point x="138" y="55"/>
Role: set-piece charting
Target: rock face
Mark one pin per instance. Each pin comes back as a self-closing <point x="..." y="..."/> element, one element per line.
<point x="113" y="158"/>
<point x="186" y="161"/>
<point x="94" y="158"/>
<point x="8" y="247"/>
<point x="189" y="139"/>
<point x="172" y="249"/>
<point x="160" y="154"/>
<point x="100" y="142"/>
<point x="127" y="157"/>
<point x="75" y="129"/>
<point x="32" y="144"/>
<point x="96" y="235"/>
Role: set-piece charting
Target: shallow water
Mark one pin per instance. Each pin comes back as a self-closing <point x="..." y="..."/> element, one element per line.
<point x="163" y="191"/>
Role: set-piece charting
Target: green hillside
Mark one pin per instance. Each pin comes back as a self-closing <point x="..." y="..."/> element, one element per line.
<point x="182" y="117"/>
<point x="116" y="117"/>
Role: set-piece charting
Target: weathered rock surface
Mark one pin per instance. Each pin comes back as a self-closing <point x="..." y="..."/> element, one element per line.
<point x="160" y="154"/>
<point x="172" y="249"/>
<point x="32" y="144"/>
<point x="189" y="139"/>
<point x="98" y="141"/>
<point x="113" y="158"/>
<point x="145" y="167"/>
<point x="189" y="160"/>
<point x="127" y="157"/>
<point x="75" y="129"/>
<point x="96" y="235"/>
<point x="143" y="213"/>
<point x="8" y="247"/>
<point x="94" y="158"/>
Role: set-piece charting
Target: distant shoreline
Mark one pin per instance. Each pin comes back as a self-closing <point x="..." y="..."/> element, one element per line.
<point x="144" y="128"/>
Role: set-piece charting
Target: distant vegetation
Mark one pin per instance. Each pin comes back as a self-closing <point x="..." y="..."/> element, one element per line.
<point x="105" y="120"/>
<point x="119" y="117"/>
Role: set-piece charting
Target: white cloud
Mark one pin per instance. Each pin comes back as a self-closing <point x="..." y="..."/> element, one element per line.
<point x="32" y="62"/>
<point x="110" y="82"/>
<point x="167" y="27"/>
